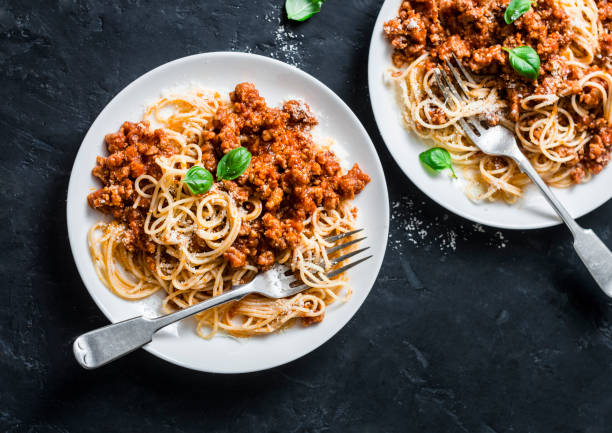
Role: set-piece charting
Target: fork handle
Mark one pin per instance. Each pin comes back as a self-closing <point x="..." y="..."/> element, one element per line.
<point x="528" y="169"/>
<point x="592" y="251"/>
<point x="103" y="345"/>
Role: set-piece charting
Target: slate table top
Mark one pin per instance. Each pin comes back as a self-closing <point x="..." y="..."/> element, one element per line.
<point x="468" y="328"/>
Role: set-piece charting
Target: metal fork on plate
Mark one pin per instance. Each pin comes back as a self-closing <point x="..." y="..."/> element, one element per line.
<point x="498" y="140"/>
<point x="103" y="345"/>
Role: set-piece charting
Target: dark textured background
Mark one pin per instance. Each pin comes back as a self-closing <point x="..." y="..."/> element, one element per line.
<point x="468" y="329"/>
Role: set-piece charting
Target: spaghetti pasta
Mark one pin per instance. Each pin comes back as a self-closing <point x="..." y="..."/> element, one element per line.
<point x="190" y="250"/>
<point x="561" y="121"/>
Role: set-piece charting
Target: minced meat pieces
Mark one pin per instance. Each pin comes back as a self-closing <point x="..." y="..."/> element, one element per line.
<point x="132" y="151"/>
<point x="288" y="173"/>
<point x="474" y="31"/>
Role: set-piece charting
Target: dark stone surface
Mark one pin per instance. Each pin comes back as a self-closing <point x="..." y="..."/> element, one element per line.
<point x="468" y="329"/>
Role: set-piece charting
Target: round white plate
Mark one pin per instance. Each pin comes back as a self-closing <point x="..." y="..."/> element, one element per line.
<point x="277" y="82"/>
<point x="530" y="212"/>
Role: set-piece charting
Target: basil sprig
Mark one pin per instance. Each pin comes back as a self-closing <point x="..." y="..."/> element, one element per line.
<point x="525" y="61"/>
<point x="438" y="159"/>
<point x="198" y="179"/>
<point x="301" y="10"/>
<point x="233" y="163"/>
<point x="515" y="9"/>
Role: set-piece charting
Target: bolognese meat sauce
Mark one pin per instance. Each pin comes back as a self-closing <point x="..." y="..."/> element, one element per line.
<point x="132" y="152"/>
<point x="288" y="173"/>
<point x="475" y="31"/>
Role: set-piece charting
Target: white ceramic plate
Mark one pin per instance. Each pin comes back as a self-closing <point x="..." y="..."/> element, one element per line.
<point x="532" y="211"/>
<point x="277" y="82"/>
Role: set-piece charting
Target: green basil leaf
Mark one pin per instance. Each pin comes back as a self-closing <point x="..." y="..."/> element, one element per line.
<point x="233" y="163"/>
<point x="515" y="9"/>
<point x="437" y="158"/>
<point x="198" y="179"/>
<point x="301" y="10"/>
<point x="525" y="61"/>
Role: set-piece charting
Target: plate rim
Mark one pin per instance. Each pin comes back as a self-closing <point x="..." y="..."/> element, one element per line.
<point x="422" y="186"/>
<point x="377" y="261"/>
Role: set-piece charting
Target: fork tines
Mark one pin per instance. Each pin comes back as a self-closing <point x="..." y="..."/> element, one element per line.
<point x="337" y="260"/>
<point x="470" y="125"/>
<point x="458" y="75"/>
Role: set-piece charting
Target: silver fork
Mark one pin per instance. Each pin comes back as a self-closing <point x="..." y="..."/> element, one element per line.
<point x="103" y="345"/>
<point x="498" y="140"/>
